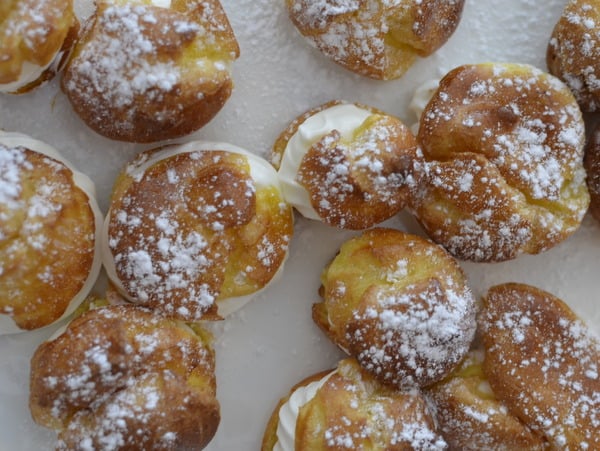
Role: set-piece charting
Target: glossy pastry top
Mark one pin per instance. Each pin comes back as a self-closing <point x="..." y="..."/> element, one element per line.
<point x="49" y="221"/>
<point x="194" y="230"/>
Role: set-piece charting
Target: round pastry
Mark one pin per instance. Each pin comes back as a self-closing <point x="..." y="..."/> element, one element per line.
<point x="121" y="377"/>
<point x="592" y="166"/>
<point x="49" y="221"/>
<point x="146" y="71"/>
<point x="574" y="52"/>
<point x="379" y="39"/>
<point x="195" y="230"/>
<point x="400" y="305"/>
<point x="35" y="35"/>
<point x="543" y="363"/>
<point x="348" y="409"/>
<point x="504" y="175"/>
<point x="470" y="417"/>
<point x="346" y="165"/>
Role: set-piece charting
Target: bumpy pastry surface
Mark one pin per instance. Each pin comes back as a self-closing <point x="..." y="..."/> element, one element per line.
<point x="543" y="362"/>
<point x="193" y="229"/>
<point x="143" y="72"/>
<point x="121" y="377"/>
<point x="592" y="166"/>
<point x="574" y="51"/>
<point x="399" y="304"/>
<point x="504" y="172"/>
<point x="49" y="221"/>
<point x="352" y="410"/>
<point x="379" y="39"/>
<point x="347" y="165"/>
<point x="470" y="417"/>
<point x="33" y="35"/>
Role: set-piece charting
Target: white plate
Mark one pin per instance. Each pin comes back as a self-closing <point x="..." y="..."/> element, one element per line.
<point x="272" y="342"/>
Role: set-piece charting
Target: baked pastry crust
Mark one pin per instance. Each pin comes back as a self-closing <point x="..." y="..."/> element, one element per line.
<point x="350" y="182"/>
<point x="35" y="36"/>
<point x="542" y="362"/>
<point x="352" y="410"/>
<point x="400" y="305"/>
<point x="504" y="175"/>
<point x="191" y="229"/>
<point x="49" y="221"/>
<point x="470" y="417"/>
<point x="146" y="73"/>
<point x="121" y="377"/>
<point x="378" y="39"/>
<point x="573" y="53"/>
<point x="592" y="167"/>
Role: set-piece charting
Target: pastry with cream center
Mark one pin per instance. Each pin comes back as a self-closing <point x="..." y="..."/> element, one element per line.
<point x="347" y="165"/>
<point x="50" y="226"/>
<point x="379" y="39"/>
<point x="348" y="409"/>
<point x="503" y="173"/>
<point x="146" y="71"/>
<point x="195" y="230"/>
<point x="400" y="305"/>
<point x="35" y="35"/>
<point x="122" y="377"/>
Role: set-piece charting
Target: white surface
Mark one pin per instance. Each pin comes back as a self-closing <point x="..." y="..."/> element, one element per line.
<point x="272" y="343"/>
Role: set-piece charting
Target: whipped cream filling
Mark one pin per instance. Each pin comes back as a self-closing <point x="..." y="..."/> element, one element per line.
<point x="420" y="99"/>
<point x="83" y="182"/>
<point x="288" y="413"/>
<point x="344" y="118"/>
<point x="263" y="176"/>
<point x="29" y="73"/>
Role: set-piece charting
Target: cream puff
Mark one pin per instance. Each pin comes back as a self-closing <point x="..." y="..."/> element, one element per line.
<point x="348" y="409"/>
<point x="49" y="224"/>
<point x="574" y="51"/>
<point x="379" y="39"/>
<point x="146" y="71"/>
<point x="543" y="363"/>
<point x="400" y="305"/>
<point x="122" y="377"/>
<point x="195" y="230"/>
<point x="471" y="417"/>
<point x="503" y="173"/>
<point x="35" y="36"/>
<point x="347" y="165"/>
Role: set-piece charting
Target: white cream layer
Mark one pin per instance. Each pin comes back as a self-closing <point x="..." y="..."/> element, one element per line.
<point x="288" y="413"/>
<point x="263" y="176"/>
<point x="29" y="73"/>
<point x="83" y="182"/>
<point x="420" y="99"/>
<point x="344" y="118"/>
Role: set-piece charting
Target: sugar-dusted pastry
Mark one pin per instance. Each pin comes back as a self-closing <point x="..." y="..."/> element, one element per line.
<point x="592" y="166"/>
<point x="399" y="304"/>
<point x="35" y="35"/>
<point x="347" y="165"/>
<point x="49" y="221"/>
<point x="574" y="51"/>
<point x="543" y="363"/>
<point x="504" y="175"/>
<point x="195" y="230"/>
<point x="146" y="70"/>
<point x="122" y="377"/>
<point x="380" y="39"/>
<point x="348" y="409"/>
<point x="470" y="417"/>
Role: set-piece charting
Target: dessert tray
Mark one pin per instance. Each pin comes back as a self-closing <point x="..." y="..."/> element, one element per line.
<point x="269" y="345"/>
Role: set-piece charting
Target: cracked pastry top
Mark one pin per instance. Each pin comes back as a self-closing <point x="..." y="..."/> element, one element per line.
<point x="503" y="172"/>
<point x="379" y="39"/>
<point x="345" y="164"/>
<point x="49" y="224"/>
<point x="34" y="37"/>
<point x="146" y="71"/>
<point x="195" y="230"/>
